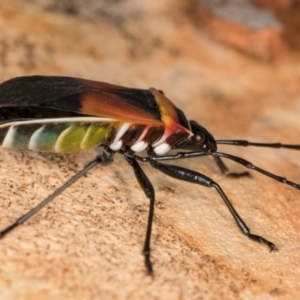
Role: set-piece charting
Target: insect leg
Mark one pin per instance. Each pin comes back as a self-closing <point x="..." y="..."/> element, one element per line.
<point x="104" y="159"/>
<point x="223" y="168"/>
<point x="225" y="171"/>
<point x="244" y="143"/>
<point x="148" y="189"/>
<point x="249" y="165"/>
<point x="239" y="160"/>
<point x="195" y="177"/>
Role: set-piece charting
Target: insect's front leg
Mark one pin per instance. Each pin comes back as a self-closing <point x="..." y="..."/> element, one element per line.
<point x="180" y="155"/>
<point x="198" y="178"/>
<point x="225" y="171"/>
<point x="148" y="189"/>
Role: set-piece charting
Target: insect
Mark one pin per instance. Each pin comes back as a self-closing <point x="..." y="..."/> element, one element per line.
<point x="65" y="115"/>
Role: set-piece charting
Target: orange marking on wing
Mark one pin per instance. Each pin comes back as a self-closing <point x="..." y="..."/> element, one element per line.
<point x="169" y="114"/>
<point x="110" y="106"/>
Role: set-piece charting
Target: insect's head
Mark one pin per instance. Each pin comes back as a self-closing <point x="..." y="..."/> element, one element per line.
<point x="201" y="140"/>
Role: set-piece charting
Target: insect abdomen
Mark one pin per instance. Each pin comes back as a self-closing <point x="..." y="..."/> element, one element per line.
<point x="56" y="137"/>
<point x="69" y="135"/>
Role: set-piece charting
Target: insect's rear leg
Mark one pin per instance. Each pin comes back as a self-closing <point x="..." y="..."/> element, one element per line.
<point x="225" y="171"/>
<point x="148" y="189"/>
<point x="104" y="159"/>
<point x="195" y="177"/>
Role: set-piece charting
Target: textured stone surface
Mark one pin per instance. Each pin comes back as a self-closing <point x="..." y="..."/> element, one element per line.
<point x="274" y="4"/>
<point x="240" y="24"/>
<point x="87" y="244"/>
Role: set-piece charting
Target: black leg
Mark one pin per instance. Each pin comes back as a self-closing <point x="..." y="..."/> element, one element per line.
<point x="249" y="165"/>
<point x="241" y="161"/>
<point x="148" y="189"/>
<point x="104" y="159"/>
<point x="244" y="143"/>
<point x="195" y="177"/>
<point x="225" y="171"/>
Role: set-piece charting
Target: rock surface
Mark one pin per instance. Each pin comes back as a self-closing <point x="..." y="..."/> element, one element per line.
<point x="87" y="244"/>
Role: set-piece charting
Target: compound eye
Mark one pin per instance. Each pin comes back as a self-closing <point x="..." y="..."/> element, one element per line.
<point x="199" y="138"/>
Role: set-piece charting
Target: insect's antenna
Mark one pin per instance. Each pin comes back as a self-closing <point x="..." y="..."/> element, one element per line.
<point x="249" y="165"/>
<point x="244" y="143"/>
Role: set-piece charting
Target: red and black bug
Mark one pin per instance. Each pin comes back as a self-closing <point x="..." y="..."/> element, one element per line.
<point x="64" y="115"/>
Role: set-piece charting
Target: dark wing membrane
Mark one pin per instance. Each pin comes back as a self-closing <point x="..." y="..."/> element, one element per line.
<point x="142" y="99"/>
<point x="35" y="96"/>
<point x="182" y="118"/>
